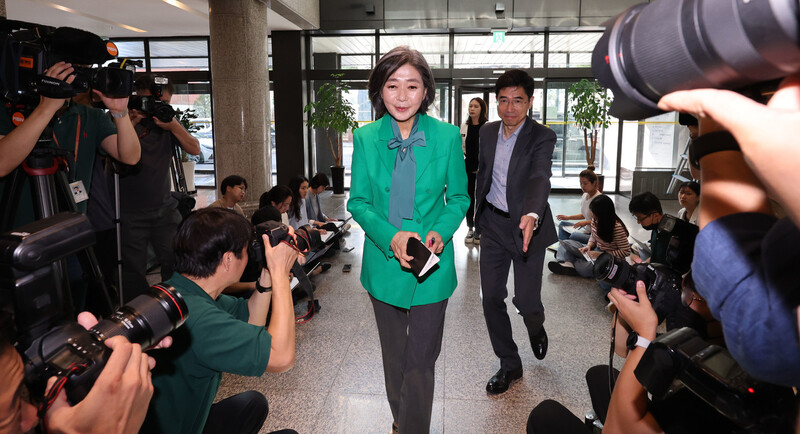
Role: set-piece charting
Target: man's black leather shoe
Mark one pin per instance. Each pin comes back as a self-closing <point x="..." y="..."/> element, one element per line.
<point x="502" y="379"/>
<point x="539" y="344"/>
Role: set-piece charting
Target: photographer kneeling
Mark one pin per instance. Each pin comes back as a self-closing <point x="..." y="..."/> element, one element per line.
<point x="222" y="334"/>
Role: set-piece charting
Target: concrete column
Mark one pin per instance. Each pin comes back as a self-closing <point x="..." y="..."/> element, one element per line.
<point x="240" y="93"/>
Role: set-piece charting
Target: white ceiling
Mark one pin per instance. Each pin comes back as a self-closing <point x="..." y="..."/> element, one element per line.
<point x="107" y="17"/>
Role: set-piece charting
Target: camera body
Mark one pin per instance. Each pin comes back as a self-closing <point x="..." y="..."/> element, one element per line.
<point x="152" y="106"/>
<point x="43" y="330"/>
<point x="305" y="239"/>
<point x="663" y="281"/>
<point x="681" y="359"/>
<point x="663" y="284"/>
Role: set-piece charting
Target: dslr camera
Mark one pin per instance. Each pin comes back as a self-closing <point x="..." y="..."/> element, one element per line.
<point x="305" y="239"/>
<point x="663" y="281"/>
<point x="680" y="360"/>
<point x="31" y="295"/>
<point x="151" y="105"/>
<point x="28" y="49"/>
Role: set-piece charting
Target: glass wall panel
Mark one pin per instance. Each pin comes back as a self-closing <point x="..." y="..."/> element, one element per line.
<point x="130" y="48"/>
<point x="660" y="138"/>
<point x="481" y="51"/>
<point x="184" y="64"/>
<point x="179" y="48"/>
<point x="353" y="52"/>
<point x="186" y="97"/>
<point x="359" y="99"/>
<point x="435" y="48"/>
<point x="572" y="50"/>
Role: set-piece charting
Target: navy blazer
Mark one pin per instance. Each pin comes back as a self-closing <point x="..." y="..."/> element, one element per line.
<point x="529" y="171"/>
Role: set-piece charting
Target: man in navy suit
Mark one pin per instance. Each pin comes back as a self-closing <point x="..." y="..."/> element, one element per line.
<point x="513" y="184"/>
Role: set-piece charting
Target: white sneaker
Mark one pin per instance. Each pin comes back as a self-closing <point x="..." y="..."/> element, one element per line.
<point x="476" y="239"/>
<point x="470" y="237"/>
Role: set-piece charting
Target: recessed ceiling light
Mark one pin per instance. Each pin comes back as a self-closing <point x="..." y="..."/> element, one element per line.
<point x="90" y="16"/>
<point x="185" y="7"/>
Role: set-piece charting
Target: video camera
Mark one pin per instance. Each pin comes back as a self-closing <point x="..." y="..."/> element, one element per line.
<point x="663" y="281"/>
<point x="28" y="49"/>
<point x="653" y="49"/>
<point x="50" y="342"/>
<point x="681" y="359"/>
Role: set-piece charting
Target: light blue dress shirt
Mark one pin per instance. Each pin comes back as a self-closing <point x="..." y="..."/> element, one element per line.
<point x="502" y="159"/>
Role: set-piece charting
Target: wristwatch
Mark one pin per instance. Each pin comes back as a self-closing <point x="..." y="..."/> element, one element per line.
<point x="262" y="289"/>
<point x="710" y="143"/>
<point x="634" y="340"/>
<point x="119" y="115"/>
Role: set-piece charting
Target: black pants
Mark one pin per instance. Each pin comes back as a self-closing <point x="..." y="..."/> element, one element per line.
<point x="243" y="413"/>
<point x="552" y="417"/>
<point x="471" y="178"/>
<point x="498" y="252"/>
<point x="411" y="340"/>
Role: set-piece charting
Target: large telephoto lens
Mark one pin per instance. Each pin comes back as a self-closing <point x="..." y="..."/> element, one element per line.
<point x="147" y="319"/>
<point x="653" y="49"/>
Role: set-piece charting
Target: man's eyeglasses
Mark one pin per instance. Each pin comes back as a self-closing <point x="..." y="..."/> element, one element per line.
<point x="642" y="218"/>
<point x="514" y="102"/>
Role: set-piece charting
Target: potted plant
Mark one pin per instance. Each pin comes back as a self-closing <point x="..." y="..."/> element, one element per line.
<point x="589" y="103"/>
<point x="185" y="117"/>
<point x="335" y="116"/>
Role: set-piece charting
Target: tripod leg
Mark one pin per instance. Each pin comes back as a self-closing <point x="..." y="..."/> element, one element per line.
<point x="98" y="300"/>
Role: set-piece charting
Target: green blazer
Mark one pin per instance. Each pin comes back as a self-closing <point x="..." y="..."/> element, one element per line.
<point x="440" y="203"/>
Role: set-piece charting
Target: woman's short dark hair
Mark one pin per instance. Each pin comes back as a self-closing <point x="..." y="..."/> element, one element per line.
<point x="231" y="181"/>
<point x="294" y="186"/>
<point x="694" y="185"/>
<point x="483" y="117"/>
<point x="319" y="180"/>
<point x="391" y="62"/>
<point x="605" y="216"/>
<point x="514" y="78"/>
<point x="205" y="236"/>
<point x="276" y="195"/>
<point x="589" y="175"/>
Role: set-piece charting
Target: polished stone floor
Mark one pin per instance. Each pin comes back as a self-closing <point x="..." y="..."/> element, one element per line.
<point x="337" y="386"/>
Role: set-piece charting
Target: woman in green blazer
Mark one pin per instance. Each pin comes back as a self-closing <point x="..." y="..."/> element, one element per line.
<point x="408" y="180"/>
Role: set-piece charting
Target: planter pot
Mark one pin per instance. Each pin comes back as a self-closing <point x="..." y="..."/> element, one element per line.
<point x="600" y="181"/>
<point x="337" y="175"/>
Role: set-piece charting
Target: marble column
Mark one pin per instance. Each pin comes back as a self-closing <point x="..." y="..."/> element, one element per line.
<point x="240" y="94"/>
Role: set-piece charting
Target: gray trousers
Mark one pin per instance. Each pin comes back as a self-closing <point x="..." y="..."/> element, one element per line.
<point x="498" y="252"/>
<point x="411" y="340"/>
<point x="139" y="228"/>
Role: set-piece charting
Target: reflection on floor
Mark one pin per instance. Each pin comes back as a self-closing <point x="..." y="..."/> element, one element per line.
<point x="337" y="382"/>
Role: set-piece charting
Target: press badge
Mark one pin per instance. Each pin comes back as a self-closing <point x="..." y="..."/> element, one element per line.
<point x="78" y="192"/>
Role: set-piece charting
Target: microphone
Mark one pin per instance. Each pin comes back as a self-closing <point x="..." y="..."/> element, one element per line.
<point x="79" y="46"/>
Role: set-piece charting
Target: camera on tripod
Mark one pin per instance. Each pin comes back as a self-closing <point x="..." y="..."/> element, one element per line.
<point x="662" y="281"/>
<point x="44" y="333"/>
<point x="29" y="49"/>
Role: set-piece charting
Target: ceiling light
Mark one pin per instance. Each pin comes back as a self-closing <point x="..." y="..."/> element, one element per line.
<point x="90" y="16"/>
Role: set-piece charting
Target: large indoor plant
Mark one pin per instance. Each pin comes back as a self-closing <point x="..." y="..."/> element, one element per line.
<point x="588" y="105"/>
<point x="334" y="114"/>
